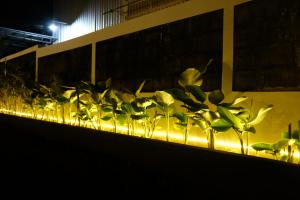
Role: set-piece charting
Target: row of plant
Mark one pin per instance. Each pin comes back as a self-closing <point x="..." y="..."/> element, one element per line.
<point x="95" y="105"/>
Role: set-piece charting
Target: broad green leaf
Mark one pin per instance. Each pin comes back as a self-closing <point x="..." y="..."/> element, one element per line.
<point x="225" y="113"/>
<point x="106" y="118"/>
<point x="262" y="147"/>
<point x="200" y="123"/>
<point x="221" y="125"/>
<point x="216" y="97"/>
<point x="190" y="76"/>
<point x="178" y="94"/>
<point x="260" y="115"/>
<point x="197" y="92"/>
<point x="106" y="109"/>
<point x="136" y="108"/>
<point x="68" y="93"/>
<point x="164" y="98"/>
<point x="210" y="116"/>
<point x="181" y="117"/>
<point x="139" y="117"/>
<point x="144" y="102"/>
<point x="281" y="144"/>
<point x="140" y="88"/>
<point x="251" y="130"/>
<point x="127" y="108"/>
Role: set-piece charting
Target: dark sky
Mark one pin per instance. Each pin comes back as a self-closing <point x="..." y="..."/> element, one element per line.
<point x="26" y="15"/>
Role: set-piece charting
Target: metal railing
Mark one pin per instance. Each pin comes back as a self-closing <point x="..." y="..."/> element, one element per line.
<point x="136" y="8"/>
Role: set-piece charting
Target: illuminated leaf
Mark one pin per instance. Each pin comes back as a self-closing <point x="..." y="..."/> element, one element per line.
<point x="164" y="97"/>
<point x="140" y="88"/>
<point x="260" y="115"/>
<point x="221" y="125"/>
<point x="237" y="122"/>
<point x="262" y="147"/>
<point x="239" y="100"/>
<point x="190" y="76"/>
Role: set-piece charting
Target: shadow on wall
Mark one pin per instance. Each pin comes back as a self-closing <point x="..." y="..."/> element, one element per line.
<point x="69" y="66"/>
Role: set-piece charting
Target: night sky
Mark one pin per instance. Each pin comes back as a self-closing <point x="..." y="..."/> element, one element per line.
<point x="26" y="15"/>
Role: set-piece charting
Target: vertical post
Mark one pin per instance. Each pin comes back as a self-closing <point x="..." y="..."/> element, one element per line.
<point x="36" y="66"/>
<point x="228" y="47"/>
<point x="95" y="13"/>
<point x="93" y="67"/>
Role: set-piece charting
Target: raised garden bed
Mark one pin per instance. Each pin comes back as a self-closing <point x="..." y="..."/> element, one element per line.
<point x="38" y="153"/>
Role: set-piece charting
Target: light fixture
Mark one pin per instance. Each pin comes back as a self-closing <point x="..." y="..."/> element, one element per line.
<point x="53" y="27"/>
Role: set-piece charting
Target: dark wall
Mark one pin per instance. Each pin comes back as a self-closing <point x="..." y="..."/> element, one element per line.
<point x="267" y="46"/>
<point x="23" y="67"/>
<point x="158" y="55"/>
<point x="69" y="66"/>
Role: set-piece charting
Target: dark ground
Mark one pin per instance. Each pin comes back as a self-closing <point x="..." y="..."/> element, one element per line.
<point x="49" y="159"/>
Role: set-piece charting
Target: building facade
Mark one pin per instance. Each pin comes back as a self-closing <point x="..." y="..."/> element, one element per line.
<point x="75" y="18"/>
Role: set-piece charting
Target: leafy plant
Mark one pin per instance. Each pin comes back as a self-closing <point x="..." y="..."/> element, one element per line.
<point x="285" y="148"/>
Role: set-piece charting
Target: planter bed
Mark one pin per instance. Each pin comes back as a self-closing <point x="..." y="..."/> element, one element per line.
<point x="36" y="153"/>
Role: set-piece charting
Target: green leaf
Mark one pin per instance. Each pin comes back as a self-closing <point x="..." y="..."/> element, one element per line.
<point x="164" y="97"/>
<point x="216" y="97"/>
<point x="106" y="118"/>
<point x="181" y="117"/>
<point x="225" y="113"/>
<point x="221" y="125"/>
<point x="280" y="144"/>
<point x="239" y="100"/>
<point x="140" y="88"/>
<point x="260" y="115"/>
<point x="251" y="130"/>
<point x="106" y="109"/>
<point x="178" y="94"/>
<point x="197" y="92"/>
<point x="190" y="76"/>
<point x="68" y="93"/>
<point x="297" y="143"/>
<point x="139" y="117"/>
<point x="262" y="147"/>
<point x="127" y="107"/>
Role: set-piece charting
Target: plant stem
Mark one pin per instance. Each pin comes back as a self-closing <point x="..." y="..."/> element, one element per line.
<point x="186" y="132"/>
<point x="211" y="140"/>
<point x="168" y="124"/>
<point x="63" y="113"/>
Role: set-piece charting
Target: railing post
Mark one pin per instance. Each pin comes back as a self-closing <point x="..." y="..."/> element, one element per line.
<point x="93" y="67"/>
<point x="228" y="47"/>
